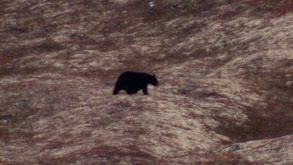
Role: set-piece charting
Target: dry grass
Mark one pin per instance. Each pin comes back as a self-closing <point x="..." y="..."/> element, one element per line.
<point x="228" y="158"/>
<point x="268" y="119"/>
<point x="59" y="61"/>
<point x="276" y="8"/>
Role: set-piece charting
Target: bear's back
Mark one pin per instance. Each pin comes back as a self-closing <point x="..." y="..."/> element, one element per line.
<point x="134" y="78"/>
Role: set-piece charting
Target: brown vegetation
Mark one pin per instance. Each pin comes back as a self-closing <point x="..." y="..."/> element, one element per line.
<point x="224" y="67"/>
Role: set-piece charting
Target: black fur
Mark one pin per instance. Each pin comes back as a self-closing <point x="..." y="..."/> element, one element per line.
<point x="132" y="82"/>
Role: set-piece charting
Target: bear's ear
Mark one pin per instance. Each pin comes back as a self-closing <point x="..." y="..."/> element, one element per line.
<point x="154" y="75"/>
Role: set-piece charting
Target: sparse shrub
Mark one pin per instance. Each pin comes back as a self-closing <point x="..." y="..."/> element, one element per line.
<point x="228" y="159"/>
<point x="274" y="7"/>
<point x="17" y="30"/>
<point x="50" y="45"/>
<point x="273" y="117"/>
<point x="223" y="158"/>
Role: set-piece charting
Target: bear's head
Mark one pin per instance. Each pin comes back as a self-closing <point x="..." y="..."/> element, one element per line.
<point x="154" y="81"/>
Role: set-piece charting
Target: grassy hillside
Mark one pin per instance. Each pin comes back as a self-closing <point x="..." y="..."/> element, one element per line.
<point x="225" y="69"/>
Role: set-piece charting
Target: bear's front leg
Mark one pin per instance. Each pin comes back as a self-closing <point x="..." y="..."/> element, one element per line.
<point x="145" y="90"/>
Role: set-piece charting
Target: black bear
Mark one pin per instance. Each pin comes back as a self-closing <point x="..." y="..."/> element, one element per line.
<point x="132" y="82"/>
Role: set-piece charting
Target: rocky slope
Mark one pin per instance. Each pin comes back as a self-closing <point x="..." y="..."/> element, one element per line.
<point x="225" y="69"/>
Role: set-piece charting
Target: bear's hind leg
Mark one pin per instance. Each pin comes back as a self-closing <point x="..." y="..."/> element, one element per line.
<point x="116" y="90"/>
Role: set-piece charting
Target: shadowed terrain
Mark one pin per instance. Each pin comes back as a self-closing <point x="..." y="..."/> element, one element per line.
<point x="225" y="69"/>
